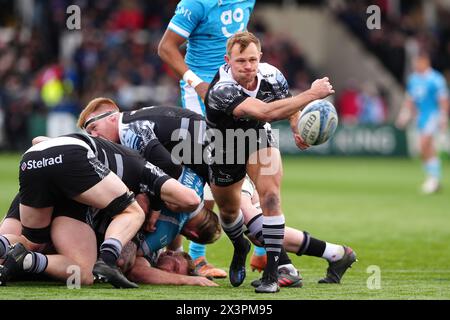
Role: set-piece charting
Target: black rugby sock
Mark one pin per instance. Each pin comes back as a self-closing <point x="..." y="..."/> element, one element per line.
<point x="284" y="258"/>
<point x="235" y="231"/>
<point x="273" y="233"/>
<point x="110" y="251"/>
<point x="311" y="246"/>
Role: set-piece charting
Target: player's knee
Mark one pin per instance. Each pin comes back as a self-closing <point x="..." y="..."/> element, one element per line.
<point x="87" y="281"/>
<point x="229" y="209"/>
<point x="86" y="277"/>
<point x="229" y="216"/>
<point x="230" y="206"/>
<point x="270" y="200"/>
<point x="137" y="212"/>
<point x="11" y="226"/>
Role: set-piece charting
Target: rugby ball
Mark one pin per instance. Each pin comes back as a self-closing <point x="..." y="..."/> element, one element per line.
<point x="317" y="122"/>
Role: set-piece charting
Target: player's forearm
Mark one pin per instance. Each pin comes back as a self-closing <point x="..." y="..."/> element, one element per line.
<point x="174" y="192"/>
<point x="171" y="55"/>
<point x="151" y="275"/>
<point x="283" y="109"/>
<point x="287" y="108"/>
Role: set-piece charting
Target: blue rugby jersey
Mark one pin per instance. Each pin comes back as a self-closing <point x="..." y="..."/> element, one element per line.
<point x="207" y="24"/>
<point x="170" y="223"/>
<point x="426" y="90"/>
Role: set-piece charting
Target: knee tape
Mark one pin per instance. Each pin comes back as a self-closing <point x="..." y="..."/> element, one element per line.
<point x="305" y="243"/>
<point x="119" y="204"/>
<point x="41" y="235"/>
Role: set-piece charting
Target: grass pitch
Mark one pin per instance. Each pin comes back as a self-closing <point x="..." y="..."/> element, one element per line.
<point x="372" y="205"/>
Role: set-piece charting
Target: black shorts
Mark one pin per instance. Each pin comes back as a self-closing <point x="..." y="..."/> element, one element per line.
<point x="233" y="166"/>
<point x="52" y="170"/>
<point x="225" y="175"/>
<point x="13" y="211"/>
<point x="72" y="209"/>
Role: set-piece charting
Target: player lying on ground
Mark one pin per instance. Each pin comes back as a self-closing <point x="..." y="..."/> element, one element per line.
<point x="153" y="268"/>
<point x="126" y="163"/>
<point x="168" y="227"/>
<point x="201" y="225"/>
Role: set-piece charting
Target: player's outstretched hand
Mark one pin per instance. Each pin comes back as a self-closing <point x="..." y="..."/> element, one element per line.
<point x="322" y="88"/>
<point x="302" y="145"/>
<point x="202" y="282"/>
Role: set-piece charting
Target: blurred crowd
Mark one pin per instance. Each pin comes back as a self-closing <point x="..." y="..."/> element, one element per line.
<point x="364" y="104"/>
<point x="48" y="73"/>
<point x="407" y="26"/>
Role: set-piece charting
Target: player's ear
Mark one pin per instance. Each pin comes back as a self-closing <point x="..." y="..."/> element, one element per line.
<point x="260" y="55"/>
<point x="227" y="58"/>
<point x="191" y="234"/>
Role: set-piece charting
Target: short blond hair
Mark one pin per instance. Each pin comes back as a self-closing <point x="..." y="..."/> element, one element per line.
<point x="93" y="106"/>
<point x="209" y="229"/>
<point x="244" y="39"/>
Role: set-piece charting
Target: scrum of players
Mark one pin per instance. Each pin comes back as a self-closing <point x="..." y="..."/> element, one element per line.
<point x="113" y="199"/>
<point x="78" y="229"/>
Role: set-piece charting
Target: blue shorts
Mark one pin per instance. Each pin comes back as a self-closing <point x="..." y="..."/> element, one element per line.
<point x="428" y="124"/>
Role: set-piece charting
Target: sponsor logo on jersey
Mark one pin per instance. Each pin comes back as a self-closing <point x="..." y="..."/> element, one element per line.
<point x="38" y="164"/>
<point x="230" y="17"/>
<point x="184" y="12"/>
<point x="224" y="177"/>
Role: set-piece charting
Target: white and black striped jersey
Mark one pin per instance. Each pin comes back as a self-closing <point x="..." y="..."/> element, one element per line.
<point x="225" y="94"/>
<point x="155" y="131"/>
